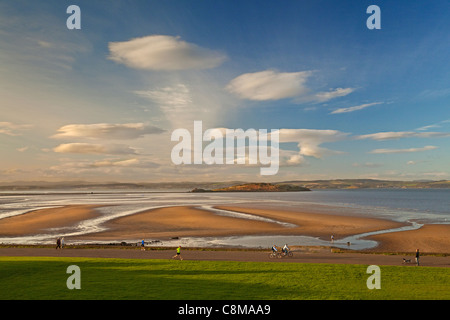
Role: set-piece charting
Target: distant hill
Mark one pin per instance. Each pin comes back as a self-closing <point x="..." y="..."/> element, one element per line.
<point x="84" y="186"/>
<point x="370" y="184"/>
<point x="256" y="187"/>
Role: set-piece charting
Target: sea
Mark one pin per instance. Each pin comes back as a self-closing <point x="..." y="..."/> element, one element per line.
<point x="414" y="207"/>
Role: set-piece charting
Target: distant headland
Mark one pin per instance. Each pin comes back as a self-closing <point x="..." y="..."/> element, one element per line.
<point x="256" y="187"/>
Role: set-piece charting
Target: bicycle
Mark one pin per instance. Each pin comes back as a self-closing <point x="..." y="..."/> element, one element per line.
<point x="287" y="254"/>
<point x="273" y="255"/>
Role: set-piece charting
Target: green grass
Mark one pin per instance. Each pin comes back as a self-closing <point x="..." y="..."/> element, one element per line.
<point x="45" y="278"/>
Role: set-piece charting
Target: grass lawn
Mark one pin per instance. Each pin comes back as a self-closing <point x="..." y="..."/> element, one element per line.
<point x="45" y="278"/>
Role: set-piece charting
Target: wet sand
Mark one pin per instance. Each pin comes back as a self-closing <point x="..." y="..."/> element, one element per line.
<point x="179" y="221"/>
<point x="184" y="221"/>
<point x="38" y="221"/>
<point x="429" y="238"/>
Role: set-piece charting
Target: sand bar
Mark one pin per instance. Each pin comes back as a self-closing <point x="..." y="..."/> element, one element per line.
<point x="431" y="238"/>
<point x="180" y="221"/>
<point x="320" y="224"/>
<point x="38" y="221"/>
<point x="184" y="221"/>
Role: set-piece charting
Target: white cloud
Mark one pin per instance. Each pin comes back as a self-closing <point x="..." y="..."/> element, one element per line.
<point x="403" y="134"/>
<point x="367" y="165"/>
<point x="131" y="163"/>
<point x="23" y="149"/>
<point x="175" y="102"/>
<point x="325" y="96"/>
<point x="119" y="163"/>
<point x="45" y="44"/>
<point x="273" y="85"/>
<point x="106" y="131"/>
<point x="107" y="163"/>
<point x="160" y="52"/>
<point x="387" y="151"/>
<point x="269" y="85"/>
<point x="295" y="159"/>
<point x="425" y="128"/>
<point x="309" y="141"/>
<point x="435" y="125"/>
<point x="182" y="103"/>
<point x="355" y="108"/>
<point x="12" y="129"/>
<point x="435" y="93"/>
<point x="130" y="169"/>
<point x="172" y="99"/>
<point x="89" y="148"/>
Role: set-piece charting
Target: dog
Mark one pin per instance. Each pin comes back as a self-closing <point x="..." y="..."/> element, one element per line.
<point x="406" y="260"/>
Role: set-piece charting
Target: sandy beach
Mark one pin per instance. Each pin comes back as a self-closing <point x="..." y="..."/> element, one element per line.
<point x="183" y="221"/>
<point x="38" y="221"/>
<point x="186" y="221"/>
<point x="431" y="238"/>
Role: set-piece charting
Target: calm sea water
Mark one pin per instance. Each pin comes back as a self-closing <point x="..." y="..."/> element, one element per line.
<point x="425" y="205"/>
<point x="405" y="205"/>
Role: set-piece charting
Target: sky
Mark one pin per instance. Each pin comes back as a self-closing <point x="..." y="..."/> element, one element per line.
<point x="102" y="102"/>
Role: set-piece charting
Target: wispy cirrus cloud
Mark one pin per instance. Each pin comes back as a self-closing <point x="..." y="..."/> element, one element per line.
<point x="273" y="85"/>
<point x="107" y="163"/>
<point x="409" y="150"/>
<point x="170" y="99"/>
<point x="107" y="131"/>
<point x="90" y="148"/>
<point x="332" y="94"/>
<point x="355" y="108"/>
<point x="434" y="125"/>
<point x="403" y="134"/>
<point x="161" y="52"/>
<point x="182" y="103"/>
<point x="12" y="129"/>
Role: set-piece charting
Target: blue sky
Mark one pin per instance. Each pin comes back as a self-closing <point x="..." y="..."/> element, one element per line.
<point x="101" y="103"/>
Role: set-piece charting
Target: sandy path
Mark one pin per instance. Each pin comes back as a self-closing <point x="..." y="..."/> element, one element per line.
<point x="301" y="255"/>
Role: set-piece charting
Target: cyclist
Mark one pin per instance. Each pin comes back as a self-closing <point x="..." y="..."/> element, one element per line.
<point x="274" y="249"/>
<point x="286" y="249"/>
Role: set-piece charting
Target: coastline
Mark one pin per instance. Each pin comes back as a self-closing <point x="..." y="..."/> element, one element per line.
<point x="432" y="238"/>
<point x="176" y="222"/>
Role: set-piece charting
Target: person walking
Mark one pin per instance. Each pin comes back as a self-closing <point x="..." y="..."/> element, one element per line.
<point x="58" y="243"/>
<point x="417" y="257"/>
<point x="142" y="245"/>
<point x="62" y="243"/>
